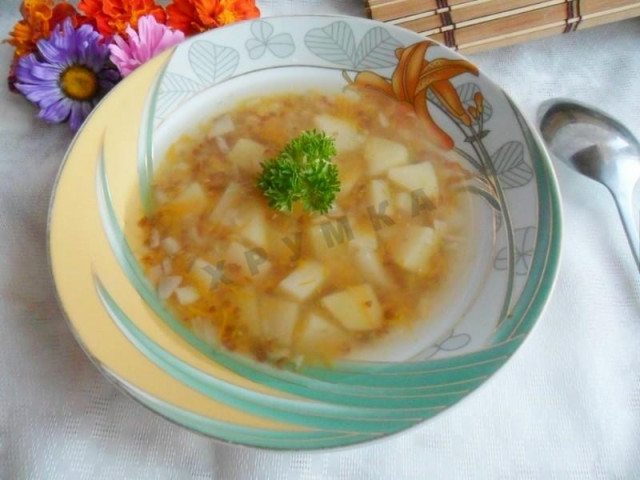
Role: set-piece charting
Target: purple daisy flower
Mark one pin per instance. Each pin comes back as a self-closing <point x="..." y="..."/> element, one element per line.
<point x="68" y="75"/>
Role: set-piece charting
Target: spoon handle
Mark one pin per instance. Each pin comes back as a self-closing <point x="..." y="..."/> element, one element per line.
<point x="623" y="202"/>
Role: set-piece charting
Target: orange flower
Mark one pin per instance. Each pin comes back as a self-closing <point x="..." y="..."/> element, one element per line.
<point x="195" y="16"/>
<point x="414" y="76"/>
<point x="113" y="16"/>
<point x="38" y="19"/>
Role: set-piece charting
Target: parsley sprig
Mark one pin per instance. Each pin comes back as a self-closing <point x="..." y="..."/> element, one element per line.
<point x="304" y="172"/>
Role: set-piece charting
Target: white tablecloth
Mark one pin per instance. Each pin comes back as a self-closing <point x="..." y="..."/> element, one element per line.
<point x="567" y="406"/>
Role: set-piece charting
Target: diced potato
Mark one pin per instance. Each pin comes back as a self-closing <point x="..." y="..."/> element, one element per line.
<point x="304" y="281"/>
<point x="318" y="242"/>
<point x="279" y="318"/>
<point x="371" y="268"/>
<point x="364" y="237"/>
<point x="168" y="285"/>
<point x="419" y="176"/>
<point x="356" y="308"/>
<point x="203" y="272"/>
<point x="223" y="210"/>
<point x="346" y="135"/>
<point x="223" y="126"/>
<point x="255" y="229"/>
<point x="382" y="154"/>
<point x="187" y="295"/>
<point x="170" y="245"/>
<point x="247" y="155"/>
<point x="245" y="262"/>
<point x="403" y="203"/>
<point x="318" y="329"/>
<point x="412" y="248"/>
<point x="379" y="192"/>
<point x="193" y="194"/>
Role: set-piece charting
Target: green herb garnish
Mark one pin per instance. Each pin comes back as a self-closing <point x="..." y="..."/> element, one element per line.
<point x="304" y="171"/>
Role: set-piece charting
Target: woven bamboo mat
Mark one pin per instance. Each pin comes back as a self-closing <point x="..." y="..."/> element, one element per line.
<point x="474" y="25"/>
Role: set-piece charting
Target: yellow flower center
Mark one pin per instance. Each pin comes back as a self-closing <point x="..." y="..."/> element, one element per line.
<point x="79" y="83"/>
<point x="226" y="17"/>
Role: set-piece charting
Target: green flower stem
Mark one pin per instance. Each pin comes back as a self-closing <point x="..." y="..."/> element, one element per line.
<point x="469" y="158"/>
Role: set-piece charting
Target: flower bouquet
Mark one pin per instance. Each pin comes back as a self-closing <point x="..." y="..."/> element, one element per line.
<point x="66" y="58"/>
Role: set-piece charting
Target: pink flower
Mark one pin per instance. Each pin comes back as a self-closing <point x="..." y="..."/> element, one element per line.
<point x="151" y="39"/>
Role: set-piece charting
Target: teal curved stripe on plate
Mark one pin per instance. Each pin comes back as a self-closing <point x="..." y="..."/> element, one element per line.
<point x="550" y="236"/>
<point x="145" y="144"/>
<point x="239" y="433"/>
<point x="303" y="413"/>
<point x="546" y="257"/>
<point x="438" y="376"/>
<point x="350" y="370"/>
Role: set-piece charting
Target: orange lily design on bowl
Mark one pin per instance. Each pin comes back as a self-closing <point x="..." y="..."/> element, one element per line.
<point x="414" y="77"/>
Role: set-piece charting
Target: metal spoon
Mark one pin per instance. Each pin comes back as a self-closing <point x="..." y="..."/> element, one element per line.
<point x="599" y="147"/>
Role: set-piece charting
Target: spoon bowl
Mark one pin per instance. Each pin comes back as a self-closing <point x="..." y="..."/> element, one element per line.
<point x="599" y="147"/>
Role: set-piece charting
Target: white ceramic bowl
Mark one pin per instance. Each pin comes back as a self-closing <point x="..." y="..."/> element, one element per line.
<point x="125" y="328"/>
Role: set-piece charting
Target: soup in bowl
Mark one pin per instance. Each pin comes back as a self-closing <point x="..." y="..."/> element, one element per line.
<point x="367" y="278"/>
